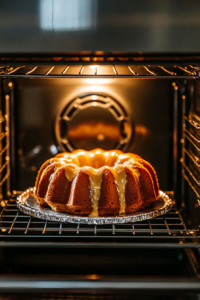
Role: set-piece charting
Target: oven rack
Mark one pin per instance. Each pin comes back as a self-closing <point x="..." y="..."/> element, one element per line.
<point x="5" y="146"/>
<point x="167" y="230"/>
<point x="101" y="57"/>
<point x="88" y="70"/>
<point x="37" y="288"/>
<point x="187" y="171"/>
<point x="70" y="296"/>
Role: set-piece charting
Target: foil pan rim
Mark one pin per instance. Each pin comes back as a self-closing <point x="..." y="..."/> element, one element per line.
<point x="48" y="214"/>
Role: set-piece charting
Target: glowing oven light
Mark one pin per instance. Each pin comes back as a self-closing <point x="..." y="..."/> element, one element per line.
<point x="93" y="67"/>
<point x="98" y="81"/>
<point x="95" y="88"/>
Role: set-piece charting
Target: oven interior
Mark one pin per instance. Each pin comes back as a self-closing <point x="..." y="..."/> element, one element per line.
<point x="146" y="105"/>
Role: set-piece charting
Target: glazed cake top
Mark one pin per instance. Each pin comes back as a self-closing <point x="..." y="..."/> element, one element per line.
<point x="94" y="163"/>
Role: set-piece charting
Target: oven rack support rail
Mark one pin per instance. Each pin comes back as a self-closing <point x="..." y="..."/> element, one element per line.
<point x="99" y="70"/>
<point x="169" y="230"/>
<point x="188" y="172"/>
<point x="5" y="147"/>
<point x="101" y="287"/>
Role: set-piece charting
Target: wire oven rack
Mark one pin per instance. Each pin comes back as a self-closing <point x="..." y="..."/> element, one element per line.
<point x="69" y="297"/>
<point x="193" y="141"/>
<point x="98" y="70"/>
<point x="168" y="229"/>
<point x="59" y="296"/>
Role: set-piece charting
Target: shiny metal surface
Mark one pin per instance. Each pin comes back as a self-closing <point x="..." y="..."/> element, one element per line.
<point x="193" y="119"/>
<point x="27" y="203"/>
<point x="168" y="230"/>
<point x="133" y="286"/>
<point x="91" y="121"/>
<point x="5" y="157"/>
<point x="85" y="67"/>
<point x="99" y="25"/>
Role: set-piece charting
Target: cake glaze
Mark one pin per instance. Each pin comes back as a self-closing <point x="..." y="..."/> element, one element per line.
<point x="96" y="182"/>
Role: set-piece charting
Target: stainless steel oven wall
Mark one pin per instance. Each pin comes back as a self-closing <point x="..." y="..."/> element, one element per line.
<point x="93" y="25"/>
<point x="148" y="104"/>
<point x="192" y="108"/>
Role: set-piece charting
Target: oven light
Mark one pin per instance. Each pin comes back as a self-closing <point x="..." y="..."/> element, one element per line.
<point x="95" y="88"/>
<point x="93" y="67"/>
<point x="97" y="81"/>
<point x="93" y="276"/>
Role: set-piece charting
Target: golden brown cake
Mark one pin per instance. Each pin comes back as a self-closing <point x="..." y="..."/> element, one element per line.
<point x="96" y="183"/>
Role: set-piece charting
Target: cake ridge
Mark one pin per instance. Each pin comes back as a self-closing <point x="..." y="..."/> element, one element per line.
<point x="94" y="163"/>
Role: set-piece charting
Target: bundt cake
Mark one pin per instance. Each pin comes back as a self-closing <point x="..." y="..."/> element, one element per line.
<point x="96" y="183"/>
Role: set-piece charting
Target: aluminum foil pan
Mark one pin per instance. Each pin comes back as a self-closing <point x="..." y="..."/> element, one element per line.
<point x="27" y="203"/>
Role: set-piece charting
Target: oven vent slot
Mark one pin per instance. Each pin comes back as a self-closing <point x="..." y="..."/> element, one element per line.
<point x="61" y="70"/>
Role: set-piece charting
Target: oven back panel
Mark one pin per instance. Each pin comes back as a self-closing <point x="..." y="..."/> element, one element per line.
<point x="39" y="103"/>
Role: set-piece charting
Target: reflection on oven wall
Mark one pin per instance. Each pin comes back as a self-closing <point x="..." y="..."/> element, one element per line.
<point x="70" y="15"/>
<point x="145" y="104"/>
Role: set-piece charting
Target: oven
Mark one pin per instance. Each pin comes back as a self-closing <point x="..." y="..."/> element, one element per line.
<point x="58" y="92"/>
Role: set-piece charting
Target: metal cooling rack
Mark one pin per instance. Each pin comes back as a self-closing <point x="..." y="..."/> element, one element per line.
<point x="167" y="229"/>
